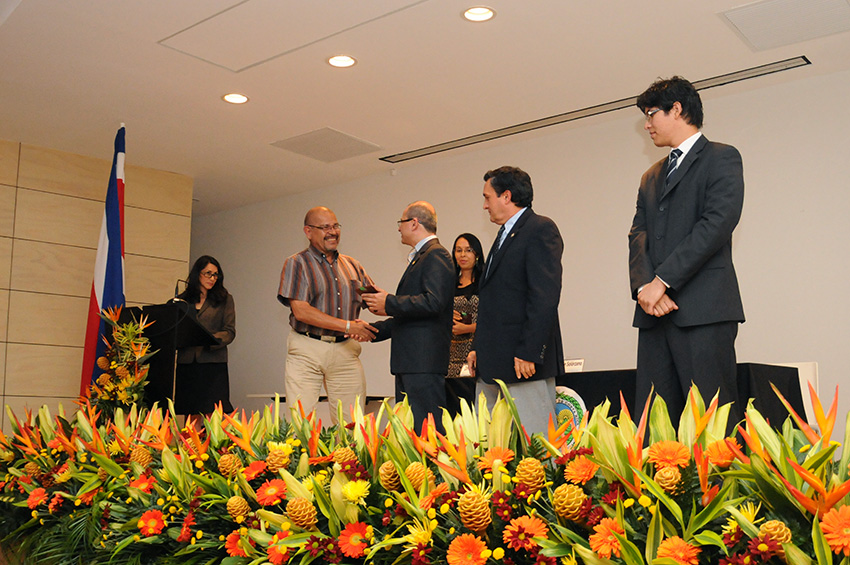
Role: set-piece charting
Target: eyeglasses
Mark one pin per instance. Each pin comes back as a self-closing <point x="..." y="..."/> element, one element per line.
<point x="326" y="228"/>
<point x="209" y="274"/>
<point x="650" y="113"/>
<point x="399" y="222"/>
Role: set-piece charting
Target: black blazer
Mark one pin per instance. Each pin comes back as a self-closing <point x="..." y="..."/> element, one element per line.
<point x="683" y="234"/>
<point x="421" y="310"/>
<point x="221" y="322"/>
<point x="518" y="303"/>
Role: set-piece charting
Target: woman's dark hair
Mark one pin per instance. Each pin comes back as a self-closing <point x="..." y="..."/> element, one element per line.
<point x="217" y="294"/>
<point x="478" y="267"/>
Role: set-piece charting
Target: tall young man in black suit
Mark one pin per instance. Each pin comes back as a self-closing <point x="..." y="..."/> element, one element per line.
<point x="680" y="255"/>
<point x="518" y="336"/>
<point x="421" y="310"/>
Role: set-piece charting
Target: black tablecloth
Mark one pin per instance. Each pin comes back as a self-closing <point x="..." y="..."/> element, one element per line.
<point x="753" y="382"/>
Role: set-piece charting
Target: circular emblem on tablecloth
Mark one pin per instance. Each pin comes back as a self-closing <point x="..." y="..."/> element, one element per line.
<point x="569" y="406"/>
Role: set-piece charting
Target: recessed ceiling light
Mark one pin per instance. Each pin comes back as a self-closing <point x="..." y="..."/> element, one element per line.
<point x="479" y="14"/>
<point x="235" y="98"/>
<point x="341" y="61"/>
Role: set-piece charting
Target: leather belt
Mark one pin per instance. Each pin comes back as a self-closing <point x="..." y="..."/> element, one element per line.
<point x="325" y="338"/>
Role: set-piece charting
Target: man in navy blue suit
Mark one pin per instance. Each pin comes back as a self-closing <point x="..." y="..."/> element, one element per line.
<point x="518" y="336"/>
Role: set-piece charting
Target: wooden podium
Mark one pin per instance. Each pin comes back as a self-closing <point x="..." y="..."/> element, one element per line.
<point x="174" y="326"/>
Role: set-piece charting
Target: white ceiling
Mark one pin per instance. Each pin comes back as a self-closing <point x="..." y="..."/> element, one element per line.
<point x="71" y="72"/>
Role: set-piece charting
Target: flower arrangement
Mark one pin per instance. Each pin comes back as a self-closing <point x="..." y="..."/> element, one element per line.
<point x="129" y="486"/>
<point x="124" y="364"/>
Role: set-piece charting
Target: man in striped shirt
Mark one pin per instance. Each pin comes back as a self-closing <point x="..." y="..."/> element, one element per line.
<point x="322" y="288"/>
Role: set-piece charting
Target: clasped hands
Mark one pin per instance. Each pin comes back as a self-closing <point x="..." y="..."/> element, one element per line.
<point x="654" y="300"/>
<point x="360" y="330"/>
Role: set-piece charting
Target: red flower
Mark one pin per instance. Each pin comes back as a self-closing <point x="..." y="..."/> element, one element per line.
<point x="234" y="544"/>
<point x="314" y="546"/>
<point x="254" y="470"/>
<point x="151" y="523"/>
<point x="353" y="540"/>
<point x="186" y="529"/>
<point x="37" y="497"/>
<point x="420" y="555"/>
<point x="55" y="502"/>
<point x="764" y="548"/>
<point x="144" y="483"/>
<point x="271" y="492"/>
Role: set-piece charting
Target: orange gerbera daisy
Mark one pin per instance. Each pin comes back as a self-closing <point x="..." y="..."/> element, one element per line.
<point x="271" y="492"/>
<point x="720" y="454"/>
<point x="836" y="529"/>
<point x="603" y="542"/>
<point x="87" y="497"/>
<point x="234" y="544"/>
<point x="503" y="454"/>
<point x="254" y="470"/>
<point x="354" y="539"/>
<point x="37" y="497"/>
<point x="151" y="523"/>
<point x="669" y="454"/>
<point x="278" y="554"/>
<point x="679" y="550"/>
<point x="580" y="470"/>
<point x="518" y="533"/>
<point x="144" y="483"/>
<point x="466" y="549"/>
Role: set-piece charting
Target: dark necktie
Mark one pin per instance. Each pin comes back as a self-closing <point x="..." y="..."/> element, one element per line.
<point x="671" y="163"/>
<point x="494" y="248"/>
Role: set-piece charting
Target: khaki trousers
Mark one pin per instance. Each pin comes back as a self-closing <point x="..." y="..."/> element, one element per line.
<point x="311" y="363"/>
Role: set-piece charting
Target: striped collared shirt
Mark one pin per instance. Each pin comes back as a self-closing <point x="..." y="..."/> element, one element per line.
<point x="328" y="287"/>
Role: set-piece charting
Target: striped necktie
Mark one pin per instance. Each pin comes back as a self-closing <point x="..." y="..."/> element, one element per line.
<point x="671" y="163"/>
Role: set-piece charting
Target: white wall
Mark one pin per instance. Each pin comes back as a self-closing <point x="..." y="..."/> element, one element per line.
<point x="790" y="247"/>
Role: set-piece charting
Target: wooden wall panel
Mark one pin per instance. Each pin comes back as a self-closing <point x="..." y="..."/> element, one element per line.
<point x="43" y="370"/>
<point x="4" y="314"/>
<point x="9" y="162"/>
<point x="7" y="210"/>
<point x="156" y="234"/>
<point x="47" y="319"/>
<point x="52" y="268"/>
<point x="5" y="261"/>
<point x="151" y="280"/>
<point x="54" y="218"/>
<point x="157" y="190"/>
<point x="64" y="173"/>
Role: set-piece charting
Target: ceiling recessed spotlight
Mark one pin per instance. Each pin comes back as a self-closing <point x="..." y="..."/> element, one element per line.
<point x="235" y="98"/>
<point x="479" y="14"/>
<point x="341" y="61"/>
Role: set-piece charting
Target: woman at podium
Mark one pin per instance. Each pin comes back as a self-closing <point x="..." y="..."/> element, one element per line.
<point x="202" y="378"/>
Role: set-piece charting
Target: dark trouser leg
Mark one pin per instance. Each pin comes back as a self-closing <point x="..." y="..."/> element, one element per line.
<point x="655" y="367"/>
<point x="426" y="394"/>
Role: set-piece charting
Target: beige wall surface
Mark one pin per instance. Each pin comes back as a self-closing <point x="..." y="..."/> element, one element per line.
<point x="51" y="210"/>
<point x="790" y="247"/>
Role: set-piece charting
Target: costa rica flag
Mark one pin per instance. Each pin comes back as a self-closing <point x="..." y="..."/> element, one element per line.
<point x="107" y="289"/>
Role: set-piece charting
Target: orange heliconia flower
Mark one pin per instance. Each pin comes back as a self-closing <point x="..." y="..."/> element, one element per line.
<point x="679" y="550"/>
<point x="669" y="454"/>
<point x="580" y="470"/>
<point x="720" y="454"/>
<point x="271" y="492"/>
<point x="151" y="523"/>
<point x="836" y="529"/>
<point x="37" y="497"/>
<point x="354" y="539"/>
<point x="603" y="542"/>
<point x="503" y="454"/>
<point x="518" y="533"/>
<point x="466" y="550"/>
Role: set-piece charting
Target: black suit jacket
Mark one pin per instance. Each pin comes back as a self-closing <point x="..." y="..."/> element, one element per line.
<point x="682" y="233"/>
<point x="421" y="310"/>
<point x="518" y="303"/>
